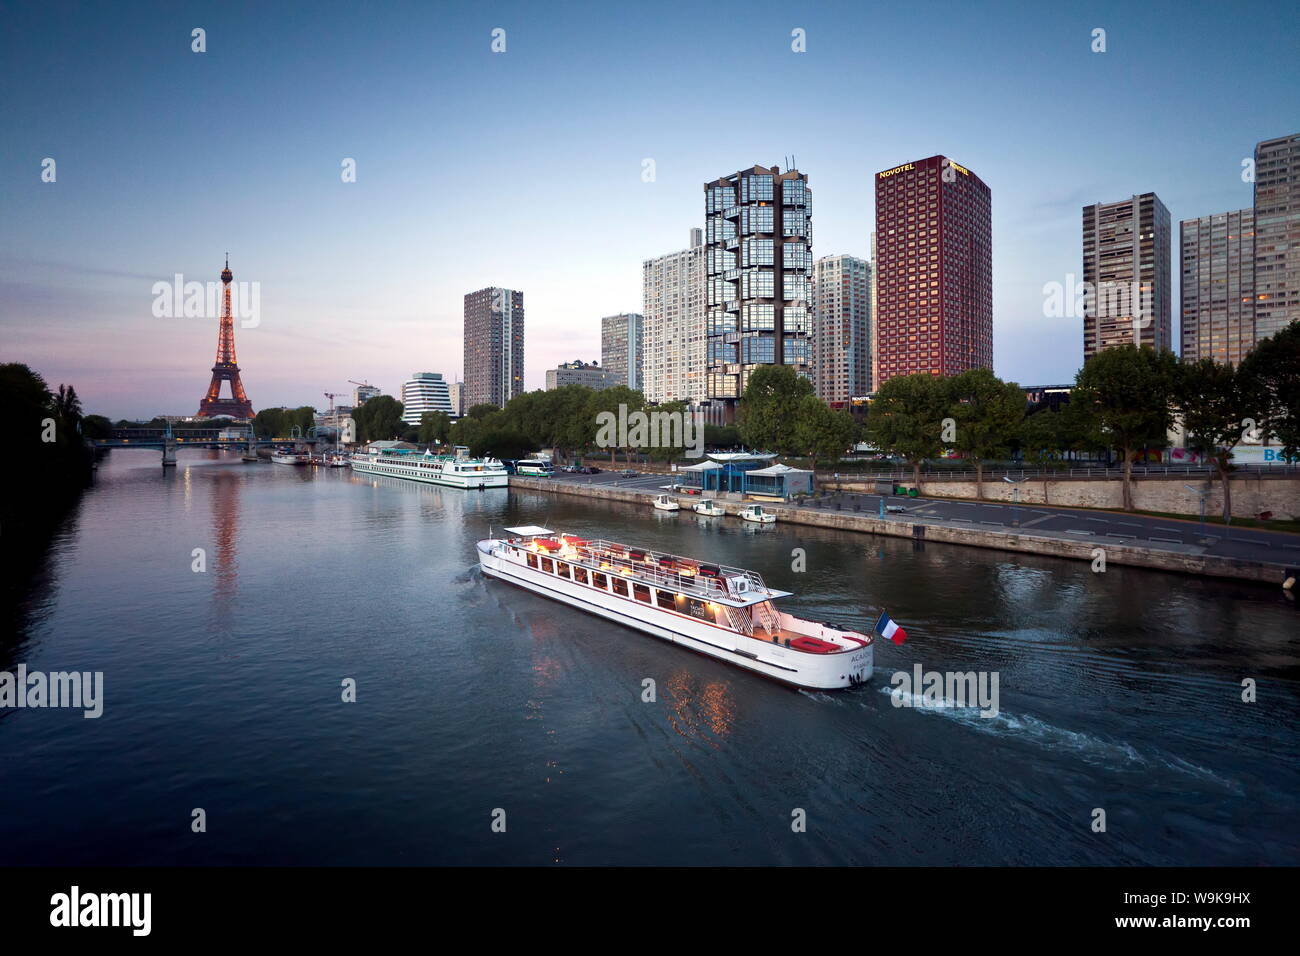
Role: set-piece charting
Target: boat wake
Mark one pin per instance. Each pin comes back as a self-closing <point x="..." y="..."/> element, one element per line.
<point x="1088" y="747"/>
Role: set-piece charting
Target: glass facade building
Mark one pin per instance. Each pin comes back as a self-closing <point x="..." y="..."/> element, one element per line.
<point x="758" y="279"/>
<point x="1217" y="257"/>
<point x="494" y="346"/>
<point x="1126" y="264"/>
<point x="933" y="270"/>
<point x="424" y="392"/>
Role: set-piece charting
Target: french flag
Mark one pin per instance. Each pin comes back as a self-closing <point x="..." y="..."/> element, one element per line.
<point x="888" y="627"/>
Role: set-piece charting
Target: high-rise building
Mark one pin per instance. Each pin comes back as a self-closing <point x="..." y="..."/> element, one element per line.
<point x="424" y="392"/>
<point x="1277" y="234"/>
<point x="580" y="373"/>
<point x="362" y="393"/>
<point x="622" y="350"/>
<point x="758" y="279"/>
<point x="1126" y="247"/>
<point x="841" y="328"/>
<point x="672" y="289"/>
<point x="494" y="346"/>
<point x="456" y="391"/>
<point x="933" y="270"/>
<point x="1218" y="286"/>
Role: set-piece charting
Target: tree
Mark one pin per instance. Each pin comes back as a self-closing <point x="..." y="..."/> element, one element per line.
<point x="765" y="419"/>
<point x="1212" y="402"/>
<point x="96" y="427"/>
<point x="1125" y="393"/>
<point x="68" y="406"/>
<point x="378" y="419"/>
<point x="988" y="413"/>
<point x="606" y="402"/>
<point x="906" y="418"/>
<point x="1271" y="378"/>
<point x="819" y="430"/>
<point x="434" y="428"/>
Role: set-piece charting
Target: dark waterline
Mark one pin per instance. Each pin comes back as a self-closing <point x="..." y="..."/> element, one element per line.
<point x="1119" y="691"/>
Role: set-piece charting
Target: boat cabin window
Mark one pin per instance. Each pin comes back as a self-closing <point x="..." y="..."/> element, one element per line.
<point x="548" y="565"/>
<point x="561" y="569"/>
<point x="599" y="580"/>
<point x="580" y="575"/>
<point x="532" y="560"/>
<point x="620" y="586"/>
<point x="641" y="593"/>
<point x="665" y="599"/>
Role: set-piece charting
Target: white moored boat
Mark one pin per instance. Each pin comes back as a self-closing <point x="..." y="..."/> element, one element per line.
<point x="289" y="458"/>
<point x="433" y="469"/>
<point x="666" y="503"/>
<point x="709" y="507"/>
<point x="721" y="611"/>
<point x="756" y="514"/>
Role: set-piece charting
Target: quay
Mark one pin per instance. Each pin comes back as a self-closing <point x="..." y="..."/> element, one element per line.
<point x="1166" y="544"/>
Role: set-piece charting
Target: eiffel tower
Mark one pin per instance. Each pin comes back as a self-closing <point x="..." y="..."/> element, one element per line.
<point x="226" y="369"/>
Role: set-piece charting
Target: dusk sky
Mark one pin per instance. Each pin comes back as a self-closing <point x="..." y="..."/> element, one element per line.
<point x="524" y="168"/>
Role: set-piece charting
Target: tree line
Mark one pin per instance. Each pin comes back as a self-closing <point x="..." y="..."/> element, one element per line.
<point x="1125" y="398"/>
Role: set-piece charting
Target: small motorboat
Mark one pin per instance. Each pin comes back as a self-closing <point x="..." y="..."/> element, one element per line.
<point x="666" y="503"/>
<point x="709" y="508"/>
<point x="756" y="514"/>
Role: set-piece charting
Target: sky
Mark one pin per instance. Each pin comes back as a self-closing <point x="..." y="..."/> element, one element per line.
<point x="525" y="168"/>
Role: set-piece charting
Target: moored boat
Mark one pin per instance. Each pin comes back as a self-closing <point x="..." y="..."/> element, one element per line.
<point x="433" y="469"/>
<point x="756" y="514"/>
<point x="290" y="458"/>
<point x="721" y="611"/>
<point x="709" y="507"/>
<point x="666" y="503"/>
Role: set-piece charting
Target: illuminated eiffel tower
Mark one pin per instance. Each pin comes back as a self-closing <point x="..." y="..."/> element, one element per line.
<point x="226" y="369"/>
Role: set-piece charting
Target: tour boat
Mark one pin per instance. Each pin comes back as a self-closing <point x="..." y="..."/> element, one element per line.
<point x="714" y="609"/>
<point x="290" y="458"/>
<point x="757" y="514"/>
<point x="709" y="507"/>
<point x="666" y="503"/>
<point x="433" y="469"/>
<point x="535" y="467"/>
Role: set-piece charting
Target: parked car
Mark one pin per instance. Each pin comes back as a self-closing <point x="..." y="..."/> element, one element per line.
<point x="629" y="473"/>
<point x="572" y="469"/>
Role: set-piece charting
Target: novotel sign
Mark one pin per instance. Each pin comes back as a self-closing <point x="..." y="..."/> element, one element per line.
<point x="906" y="166"/>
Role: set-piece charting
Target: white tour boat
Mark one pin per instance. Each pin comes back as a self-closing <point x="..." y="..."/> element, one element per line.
<point x="717" y="610"/>
<point x="666" y="503"/>
<point x="709" y="507"/>
<point x="290" y="458"/>
<point x="433" y="469"/>
<point x="756" y="514"/>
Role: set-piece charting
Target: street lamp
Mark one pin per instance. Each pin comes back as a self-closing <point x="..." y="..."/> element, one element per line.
<point x="1203" y="492"/>
<point x="1015" y="492"/>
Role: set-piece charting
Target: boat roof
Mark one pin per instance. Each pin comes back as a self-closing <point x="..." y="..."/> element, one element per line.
<point x="529" y="531"/>
<point x="591" y="552"/>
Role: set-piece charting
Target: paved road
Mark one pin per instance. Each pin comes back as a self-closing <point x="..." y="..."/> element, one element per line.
<point x="1189" y="537"/>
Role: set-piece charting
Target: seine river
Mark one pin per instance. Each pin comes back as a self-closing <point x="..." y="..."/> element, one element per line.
<point x="1119" y="692"/>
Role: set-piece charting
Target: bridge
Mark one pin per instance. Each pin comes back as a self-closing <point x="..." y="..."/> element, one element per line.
<point x="169" y="440"/>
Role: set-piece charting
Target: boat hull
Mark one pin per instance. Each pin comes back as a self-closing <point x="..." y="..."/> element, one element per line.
<point x="788" y="666"/>
<point x="467" y="480"/>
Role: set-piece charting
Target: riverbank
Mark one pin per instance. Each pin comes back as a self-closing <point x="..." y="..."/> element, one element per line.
<point x="1177" y="555"/>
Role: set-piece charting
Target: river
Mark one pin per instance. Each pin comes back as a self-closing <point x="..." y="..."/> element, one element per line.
<point x="1119" y="691"/>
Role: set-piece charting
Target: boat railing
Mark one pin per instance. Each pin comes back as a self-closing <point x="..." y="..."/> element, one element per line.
<point x="648" y="569"/>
